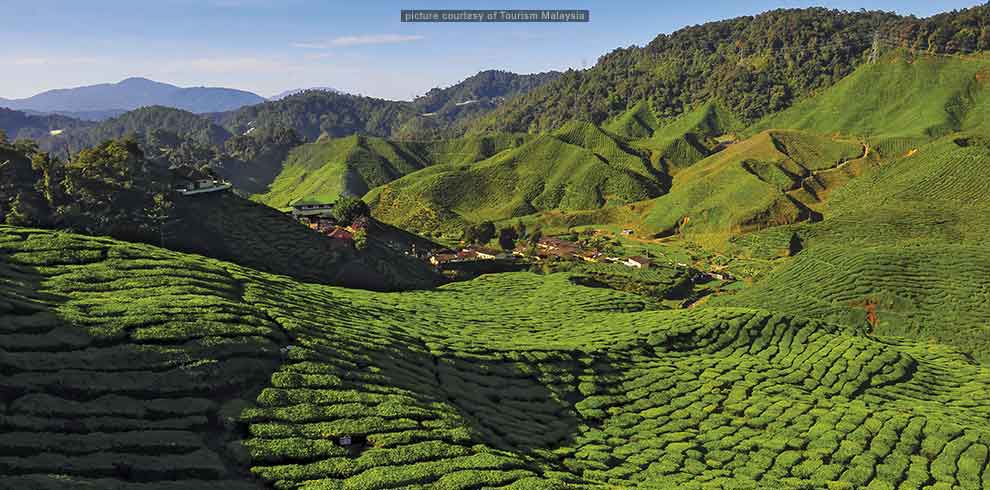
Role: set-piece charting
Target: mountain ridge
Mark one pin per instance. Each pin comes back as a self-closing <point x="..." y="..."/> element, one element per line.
<point x="133" y="93"/>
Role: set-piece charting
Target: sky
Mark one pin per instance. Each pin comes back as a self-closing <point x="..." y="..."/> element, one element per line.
<point x="359" y="46"/>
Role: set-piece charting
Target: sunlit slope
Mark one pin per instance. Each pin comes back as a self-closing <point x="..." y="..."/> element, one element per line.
<point x="770" y="179"/>
<point x="351" y="166"/>
<point x="902" y="97"/>
<point x="125" y="363"/>
<point x="909" y="238"/>
<point x="635" y="123"/>
<point x="545" y="173"/>
<point x="675" y="144"/>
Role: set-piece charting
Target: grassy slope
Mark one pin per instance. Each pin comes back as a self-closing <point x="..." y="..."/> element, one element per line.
<point x="894" y="106"/>
<point x="354" y="165"/>
<point x="548" y="172"/>
<point x="910" y="237"/>
<point x="516" y="381"/>
<point x="746" y="185"/>
<point x="899" y="98"/>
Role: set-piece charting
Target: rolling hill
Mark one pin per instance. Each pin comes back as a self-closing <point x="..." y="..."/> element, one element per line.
<point x="353" y="165"/>
<point x="903" y="97"/>
<point x="551" y="171"/>
<point x="907" y="240"/>
<point x="126" y="364"/>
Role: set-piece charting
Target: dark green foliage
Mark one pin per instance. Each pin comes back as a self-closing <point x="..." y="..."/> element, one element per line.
<point x="346" y="209"/>
<point x="145" y="124"/>
<point x="18" y="125"/>
<point x="507" y="238"/>
<point x="480" y="233"/>
<point x="318" y="112"/>
<point x="754" y="65"/>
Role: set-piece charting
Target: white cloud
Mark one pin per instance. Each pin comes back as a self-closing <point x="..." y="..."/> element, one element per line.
<point x="362" y="40"/>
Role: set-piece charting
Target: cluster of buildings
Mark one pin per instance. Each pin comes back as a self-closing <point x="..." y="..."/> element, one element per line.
<point x="316" y="215"/>
<point x="546" y="248"/>
<point x="467" y="254"/>
<point x="555" y="247"/>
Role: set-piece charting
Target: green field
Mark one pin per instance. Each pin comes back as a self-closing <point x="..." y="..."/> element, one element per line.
<point x="125" y="363"/>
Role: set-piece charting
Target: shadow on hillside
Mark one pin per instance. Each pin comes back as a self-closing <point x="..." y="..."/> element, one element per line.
<point x="57" y="379"/>
<point x="228" y="227"/>
<point x="503" y="402"/>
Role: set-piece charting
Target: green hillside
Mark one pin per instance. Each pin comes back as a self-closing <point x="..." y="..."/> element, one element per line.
<point x="692" y="136"/>
<point x="113" y="190"/>
<point x="547" y="172"/>
<point x="126" y="363"/>
<point x="352" y="166"/>
<point x="749" y="185"/>
<point x="754" y="65"/>
<point x="901" y="97"/>
<point x="909" y="238"/>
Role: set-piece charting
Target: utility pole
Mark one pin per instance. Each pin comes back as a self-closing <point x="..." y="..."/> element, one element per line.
<point x="875" y="52"/>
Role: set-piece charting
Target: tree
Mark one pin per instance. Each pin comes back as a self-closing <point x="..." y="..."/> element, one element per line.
<point x="347" y="208"/>
<point x="160" y="212"/>
<point x="49" y="167"/>
<point x="507" y="238"/>
<point x="3" y="137"/>
<point x="360" y="239"/>
<point x="23" y="212"/>
<point x="480" y="233"/>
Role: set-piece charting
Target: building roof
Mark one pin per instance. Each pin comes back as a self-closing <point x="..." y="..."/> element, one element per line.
<point x="641" y="260"/>
<point x="190" y="172"/>
<point x="341" y="234"/>
<point x="311" y="201"/>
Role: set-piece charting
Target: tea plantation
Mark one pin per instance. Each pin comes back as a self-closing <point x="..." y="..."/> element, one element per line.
<point x="128" y="366"/>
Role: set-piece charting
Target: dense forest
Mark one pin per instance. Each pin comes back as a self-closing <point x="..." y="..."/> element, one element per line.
<point x="755" y="65"/>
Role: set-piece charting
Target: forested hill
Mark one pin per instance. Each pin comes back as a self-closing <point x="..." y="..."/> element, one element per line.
<point x="315" y="112"/>
<point x="21" y="125"/>
<point x="755" y="65"/>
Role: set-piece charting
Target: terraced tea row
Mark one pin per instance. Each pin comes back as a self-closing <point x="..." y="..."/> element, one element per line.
<point x="115" y="352"/>
<point x="117" y="361"/>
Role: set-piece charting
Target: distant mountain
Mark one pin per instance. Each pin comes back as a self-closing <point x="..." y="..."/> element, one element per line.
<point x="301" y="90"/>
<point x="133" y="93"/>
<point x="95" y="116"/>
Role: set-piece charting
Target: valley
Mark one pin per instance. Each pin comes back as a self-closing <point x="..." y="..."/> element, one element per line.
<point x="750" y="254"/>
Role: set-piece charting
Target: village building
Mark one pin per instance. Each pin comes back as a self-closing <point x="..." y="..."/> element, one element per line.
<point x="338" y="233"/>
<point x="310" y="208"/>
<point x="559" y="248"/>
<point x="627" y="232"/>
<point x="637" y="262"/>
<point x="442" y="258"/>
<point x="188" y="180"/>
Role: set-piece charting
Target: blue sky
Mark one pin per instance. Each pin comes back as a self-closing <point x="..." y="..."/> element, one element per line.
<point x="268" y="46"/>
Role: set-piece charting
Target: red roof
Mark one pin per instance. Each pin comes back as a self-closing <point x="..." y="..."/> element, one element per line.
<point x="341" y="234"/>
